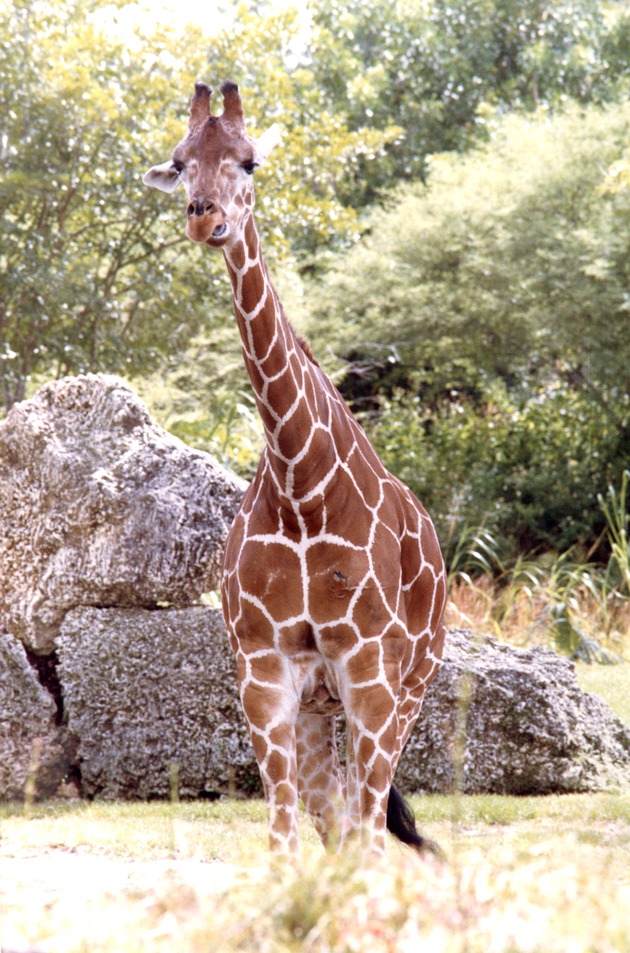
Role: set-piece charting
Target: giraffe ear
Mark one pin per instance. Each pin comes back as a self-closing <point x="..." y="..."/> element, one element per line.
<point x="265" y="143"/>
<point x="164" y="177"/>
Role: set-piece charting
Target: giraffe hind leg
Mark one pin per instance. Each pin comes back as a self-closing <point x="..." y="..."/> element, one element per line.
<point x="321" y="784"/>
<point x="401" y="822"/>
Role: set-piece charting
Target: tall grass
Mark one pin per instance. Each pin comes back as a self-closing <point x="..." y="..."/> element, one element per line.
<point x="616" y="582"/>
<point x="581" y="608"/>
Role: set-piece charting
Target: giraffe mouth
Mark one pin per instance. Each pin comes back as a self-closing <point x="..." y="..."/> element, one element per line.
<point x="206" y="229"/>
<point x="219" y="235"/>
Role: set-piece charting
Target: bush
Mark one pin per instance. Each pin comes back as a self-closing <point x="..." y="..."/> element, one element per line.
<point x="528" y="472"/>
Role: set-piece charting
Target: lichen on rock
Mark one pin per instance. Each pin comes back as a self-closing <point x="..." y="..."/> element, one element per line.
<point x="150" y="694"/>
<point x="102" y="507"/>
<point x="33" y="746"/>
<point x="498" y="719"/>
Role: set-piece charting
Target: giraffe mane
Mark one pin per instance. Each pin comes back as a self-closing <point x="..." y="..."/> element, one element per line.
<point x="306" y="347"/>
<point x="301" y="339"/>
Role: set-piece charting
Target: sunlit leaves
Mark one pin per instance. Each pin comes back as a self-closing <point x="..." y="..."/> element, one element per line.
<point x="434" y="67"/>
<point x="315" y="168"/>
<point x="95" y="271"/>
<point x="78" y="236"/>
<point x="509" y="261"/>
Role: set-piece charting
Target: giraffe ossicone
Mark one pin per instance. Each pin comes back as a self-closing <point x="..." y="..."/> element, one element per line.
<point x="333" y="586"/>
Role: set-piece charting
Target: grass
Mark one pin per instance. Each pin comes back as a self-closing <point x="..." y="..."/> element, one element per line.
<point x="610" y="682"/>
<point x="474" y="605"/>
<point x="579" y="607"/>
<point x="227" y="830"/>
<point x="516" y="611"/>
<point x="523" y="874"/>
<point x="215" y="830"/>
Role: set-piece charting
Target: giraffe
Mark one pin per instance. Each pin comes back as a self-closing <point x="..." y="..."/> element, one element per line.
<point x="333" y="584"/>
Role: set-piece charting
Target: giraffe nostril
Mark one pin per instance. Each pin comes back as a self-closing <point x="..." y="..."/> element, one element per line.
<point x="200" y="207"/>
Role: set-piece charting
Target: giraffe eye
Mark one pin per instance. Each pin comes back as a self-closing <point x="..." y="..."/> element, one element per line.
<point x="179" y="167"/>
<point x="249" y="166"/>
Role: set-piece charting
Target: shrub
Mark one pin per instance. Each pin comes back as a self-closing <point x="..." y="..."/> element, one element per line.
<point x="528" y="472"/>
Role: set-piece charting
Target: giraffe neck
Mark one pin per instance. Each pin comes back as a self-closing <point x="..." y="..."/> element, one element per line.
<point x="295" y="399"/>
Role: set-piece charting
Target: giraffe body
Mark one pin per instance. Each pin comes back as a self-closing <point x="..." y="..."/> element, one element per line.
<point x="333" y="583"/>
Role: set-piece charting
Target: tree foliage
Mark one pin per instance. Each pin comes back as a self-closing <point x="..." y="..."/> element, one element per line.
<point x="85" y="276"/>
<point x="507" y="274"/>
<point x="527" y="468"/>
<point x="512" y="261"/>
<point x="95" y="272"/>
<point x="442" y="69"/>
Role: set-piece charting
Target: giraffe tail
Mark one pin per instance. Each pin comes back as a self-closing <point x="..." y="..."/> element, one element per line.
<point x="401" y="822"/>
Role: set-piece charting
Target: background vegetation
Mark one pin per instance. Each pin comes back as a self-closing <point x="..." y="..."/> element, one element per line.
<point x="448" y="218"/>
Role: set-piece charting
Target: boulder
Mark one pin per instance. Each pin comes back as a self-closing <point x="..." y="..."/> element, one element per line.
<point x="33" y="745"/>
<point x="498" y="719"/>
<point x="152" y="696"/>
<point x="101" y="507"/>
<point x="145" y="690"/>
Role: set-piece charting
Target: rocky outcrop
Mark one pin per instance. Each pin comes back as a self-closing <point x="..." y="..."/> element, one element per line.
<point x="33" y="746"/>
<point x="147" y="690"/>
<point x="101" y="507"/>
<point x="151" y="697"/>
<point x="502" y="720"/>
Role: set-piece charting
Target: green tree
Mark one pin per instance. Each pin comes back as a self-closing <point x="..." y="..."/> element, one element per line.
<point x="85" y="281"/>
<point x="439" y="69"/>
<point x="525" y="466"/>
<point x="509" y="271"/>
<point x="95" y="272"/>
<point x="512" y="262"/>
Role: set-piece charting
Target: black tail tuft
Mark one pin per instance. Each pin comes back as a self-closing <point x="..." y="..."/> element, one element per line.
<point x="401" y="822"/>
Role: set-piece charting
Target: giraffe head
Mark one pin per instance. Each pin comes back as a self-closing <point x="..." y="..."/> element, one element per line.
<point x="214" y="163"/>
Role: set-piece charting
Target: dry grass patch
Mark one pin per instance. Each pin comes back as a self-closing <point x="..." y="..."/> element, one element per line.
<point x="524" y="875"/>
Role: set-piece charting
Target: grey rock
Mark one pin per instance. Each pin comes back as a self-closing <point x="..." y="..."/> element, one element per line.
<point x="32" y="745"/>
<point x="497" y="719"/>
<point x="99" y="506"/>
<point x="148" y="690"/>
<point x="144" y="690"/>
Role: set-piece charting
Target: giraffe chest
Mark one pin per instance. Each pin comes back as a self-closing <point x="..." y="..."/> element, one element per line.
<point x="310" y="601"/>
<point x="294" y="584"/>
<point x="318" y="590"/>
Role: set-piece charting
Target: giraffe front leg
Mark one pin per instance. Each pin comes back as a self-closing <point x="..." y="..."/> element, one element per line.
<point x="372" y="753"/>
<point x="321" y="784"/>
<point x="271" y="716"/>
<point x="275" y="754"/>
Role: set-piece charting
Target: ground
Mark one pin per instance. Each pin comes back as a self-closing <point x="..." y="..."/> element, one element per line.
<point x="537" y="875"/>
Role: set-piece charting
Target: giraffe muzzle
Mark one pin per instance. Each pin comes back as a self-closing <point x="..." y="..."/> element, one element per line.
<point x="207" y="225"/>
<point x="219" y="235"/>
